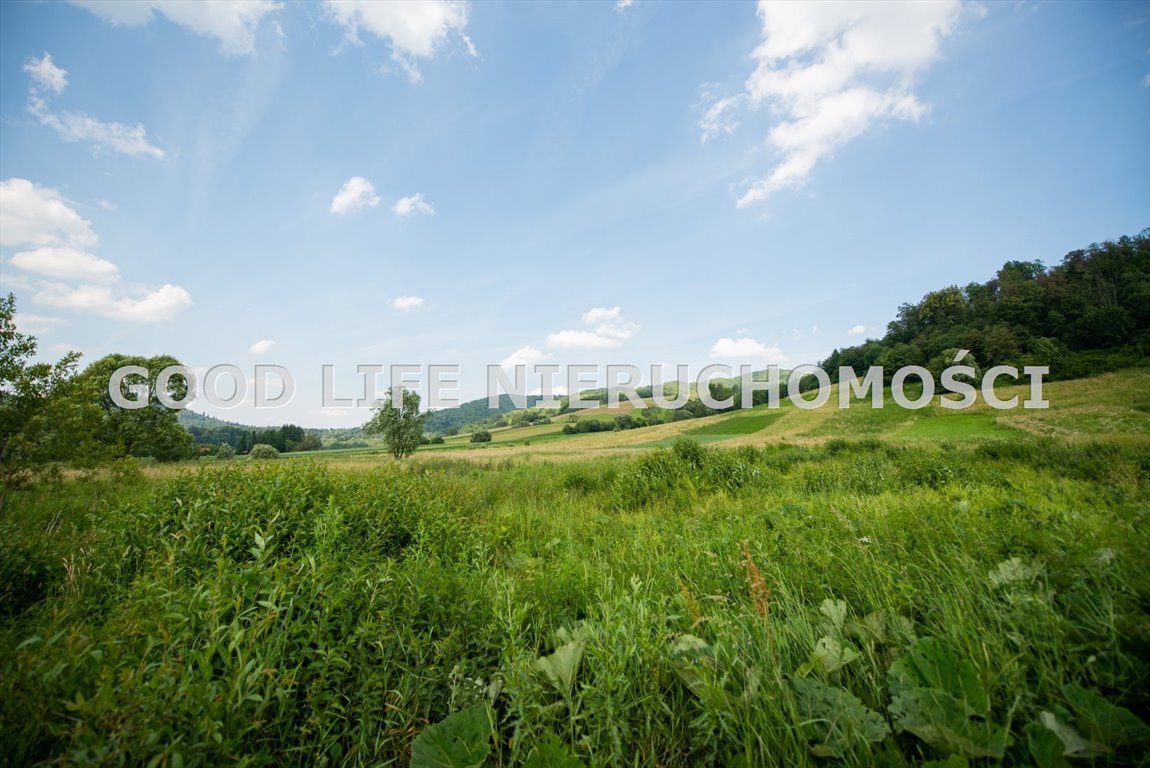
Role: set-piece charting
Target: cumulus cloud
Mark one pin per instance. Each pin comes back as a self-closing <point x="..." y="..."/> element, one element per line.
<point x="609" y="329"/>
<point x="45" y="74"/>
<point x="232" y="23"/>
<point x="57" y="238"/>
<point x="77" y="126"/>
<point x="857" y="330"/>
<point x="528" y="356"/>
<point x="39" y="216"/>
<point x="67" y="263"/>
<point x="830" y="72"/>
<point x="404" y="303"/>
<point x="261" y="346"/>
<point x="414" y="204"/>
<point x="746" y="348"/>
<point x="355" y="194"/>
<point x="161" y="304"/>
<point x="413" y="30"/>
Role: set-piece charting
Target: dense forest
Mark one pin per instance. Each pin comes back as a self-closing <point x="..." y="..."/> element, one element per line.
<point x="1089" y="314"/>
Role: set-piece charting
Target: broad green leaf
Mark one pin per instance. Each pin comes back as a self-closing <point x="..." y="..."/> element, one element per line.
<point x="835" y="611"/>
<point x="551" y="752"/>
<point x="1102" y="721"/>
<point x="561" y="666"/>
<point x="831" y="655"/>
<point x="1046" y="749"/>
<point x="954" y="761"/>
<point x="1073" y="745"/>
<point x="834" y="720"/>
<point x="943" y="721"/>
<point x="460" y="740"/>
<point x="929" y="664"/>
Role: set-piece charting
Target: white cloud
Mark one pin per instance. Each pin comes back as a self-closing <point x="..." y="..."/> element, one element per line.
<point x="831" y="71"/>
<point x="622" y="5"/>
<point x="39" y="216"/>
<point x="609" y="330"/>
<point x="163" y="303"/>
<point x="64" y="262"/>
<point x="261" y="346"/>
<point x="408" y="206"/>
<point x="35" y="324"/>
<point x="720" y="114"/>
<point x="528" y="356"/>
<point x="106" y="205"/>
<point x="355" y="194"/>
<point x="232" y="22"/>
<point x="413" y="30"/>
<point x="746" y="348"/>
<point x="1146" y="81"/>
<point x="45" y="74"/>
<point x="76" y="126"/>
<point x="405" y="303"/>
<point x="857" y="330"/>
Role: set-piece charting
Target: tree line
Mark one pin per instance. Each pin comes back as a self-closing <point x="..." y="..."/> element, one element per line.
<point x="1086" y="315"/>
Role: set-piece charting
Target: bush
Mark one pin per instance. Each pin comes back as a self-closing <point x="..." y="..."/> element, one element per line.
<point x="225" y="451"/>
<point x="263" y="451"/>
<point x="482" y="436"/>
<point x="437" y="440"/>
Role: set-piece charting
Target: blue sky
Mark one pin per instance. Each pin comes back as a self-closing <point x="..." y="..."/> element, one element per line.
<point x="443" y="183"/>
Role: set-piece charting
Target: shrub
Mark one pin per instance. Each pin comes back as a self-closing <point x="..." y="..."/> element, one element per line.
<point x="482" y="436"/>
<point x="263" y="451"/>
<point x="437" y="440"/>
<point x="225" y="451"/>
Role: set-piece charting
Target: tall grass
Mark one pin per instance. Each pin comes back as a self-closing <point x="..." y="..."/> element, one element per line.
<point x="687" y="606"/>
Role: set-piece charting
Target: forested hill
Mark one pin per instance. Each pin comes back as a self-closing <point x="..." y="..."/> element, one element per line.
<point x="472" y="412"/>
<point x="1088" y="314"/>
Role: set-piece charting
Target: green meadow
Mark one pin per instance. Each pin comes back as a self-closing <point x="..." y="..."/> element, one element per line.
<point x="769" y="588"/>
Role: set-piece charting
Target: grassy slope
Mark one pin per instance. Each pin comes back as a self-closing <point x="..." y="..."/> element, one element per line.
<point x="1113" y="407"/>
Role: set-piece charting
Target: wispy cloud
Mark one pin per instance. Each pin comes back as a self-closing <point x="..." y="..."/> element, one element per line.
<point x="261" y="347"/>
<point x="857" y="330"/>
<point x="77" y="126"/>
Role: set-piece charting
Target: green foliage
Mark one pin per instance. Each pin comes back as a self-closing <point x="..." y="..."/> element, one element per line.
<point x="262" y="451"/>
<point x="41" y="419"/>
<point x="402" y="427"/>
<point x="732" y="612"/>
<point x="225" y="451"/>
<point x="461" y="740"/>
<point x="941" y="700"/>
<point x="833" y="720"/>
<point x="151" y="431"/>
<point x="481" y="436"/>
<point x="1084" y="316"/>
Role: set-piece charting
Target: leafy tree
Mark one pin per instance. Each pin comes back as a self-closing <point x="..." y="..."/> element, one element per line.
<point x="402" y="427"/>
<point x="40" y="422"/>
<point x="153" y="430"/>
<point x="482" y="436"/>
<point x="225" y="451"/>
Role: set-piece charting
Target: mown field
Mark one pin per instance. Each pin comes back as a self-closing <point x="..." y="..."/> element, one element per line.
<point x="978" y="594"/>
